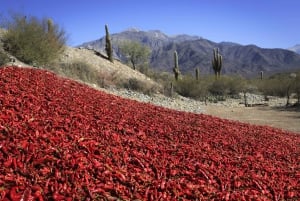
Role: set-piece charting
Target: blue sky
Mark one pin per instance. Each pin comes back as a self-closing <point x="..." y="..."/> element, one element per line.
<point x="266" y="23"/>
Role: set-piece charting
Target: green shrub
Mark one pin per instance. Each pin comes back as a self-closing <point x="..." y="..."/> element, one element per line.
<point x="189" y="87"/>
<point x="273" y="87"/>
<point x="219" y="87"/>
<point x="297" y="87"/>
<point x="228" y="86"/>
<point x="32" y="40"/>
<point x="236" y="85"/>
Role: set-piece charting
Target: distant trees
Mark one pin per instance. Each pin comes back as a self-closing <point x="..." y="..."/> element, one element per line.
<point x="297" y="87"/>
<point x="282" y="85"/>
<point x="135" y="52"/>
<point x="33" y="40"/>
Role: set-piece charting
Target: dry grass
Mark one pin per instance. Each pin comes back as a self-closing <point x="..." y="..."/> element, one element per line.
<point x="102" y="72"/>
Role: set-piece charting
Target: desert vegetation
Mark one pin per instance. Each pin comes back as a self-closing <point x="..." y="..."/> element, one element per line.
<point x="176" y="70"/>
<point x="217" y="63"/>
<point x="33" y="41"/>
<point x="49" y="40"/>
<point x="3" y="58"/>
<point x="281" y="85"/>
<point x="136" y="54"/>
<point x="108" y="45"/>
<point x="204" y="87"/>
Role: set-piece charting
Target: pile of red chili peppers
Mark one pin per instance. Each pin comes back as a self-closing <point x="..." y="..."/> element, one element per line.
<point x="61" y="140"/>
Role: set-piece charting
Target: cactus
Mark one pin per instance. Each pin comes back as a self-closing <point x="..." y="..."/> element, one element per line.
<point x="197" y="73"/>
<point x="108" y="46"/>
<point x="50" y="26"/>
<point x="217" y="63"/>
<point x="261" y="75"/>
<point x="171" y="89"/>
<point x="176" y="67"/>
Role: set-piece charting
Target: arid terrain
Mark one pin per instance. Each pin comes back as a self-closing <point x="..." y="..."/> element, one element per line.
<point x="279" y="117"/>
<point x="275" y="115"/>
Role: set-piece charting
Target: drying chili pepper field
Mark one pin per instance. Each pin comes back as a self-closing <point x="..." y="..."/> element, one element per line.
<point x="61" y="140"/>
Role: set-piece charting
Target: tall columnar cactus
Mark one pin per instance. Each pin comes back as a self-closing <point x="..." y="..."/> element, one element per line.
<point x="176" y="67"/>
<point x="171" y="89"/>
<point x="261" y="75"/>
<point x="217" y="63"/>
<point x="197" y="73"/>
<point x="108" y="46"/>
<point x="50" y="26"/>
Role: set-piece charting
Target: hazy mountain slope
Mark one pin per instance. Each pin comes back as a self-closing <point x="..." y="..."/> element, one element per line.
<point x="295" y="48"/>
<point x="195" y="51"/>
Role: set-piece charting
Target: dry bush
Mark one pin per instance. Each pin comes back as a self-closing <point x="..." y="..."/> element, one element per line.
<point x="188" y="86"/>
<point x="139" y="86"/>
<point x="81" y="71"/>
<point x="229" y="86"/>
<point x="273" y="86"/>
<point x="3" y="58"/>
<point x="84" y="72"/>
<point x="33" y="41"/>
<point x="297" y="88"/>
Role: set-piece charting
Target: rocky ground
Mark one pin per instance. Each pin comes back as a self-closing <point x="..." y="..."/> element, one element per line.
<point x="261" y="112"/>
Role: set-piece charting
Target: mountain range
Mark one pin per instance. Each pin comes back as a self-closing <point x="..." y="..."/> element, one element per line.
<point x="295" y="48"/>
<point x="197" y="52"/>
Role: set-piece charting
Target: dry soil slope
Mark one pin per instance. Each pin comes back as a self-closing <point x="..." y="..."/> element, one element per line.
<point x="102" y="65"/>
<point x="99" y="62"/>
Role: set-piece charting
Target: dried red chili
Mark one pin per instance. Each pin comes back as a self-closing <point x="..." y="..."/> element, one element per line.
<point x="61" y="140"/>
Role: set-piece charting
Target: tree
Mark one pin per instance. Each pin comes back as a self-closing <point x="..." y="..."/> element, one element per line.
<point x="33" y="40"/>
<point x="135" y="52"/>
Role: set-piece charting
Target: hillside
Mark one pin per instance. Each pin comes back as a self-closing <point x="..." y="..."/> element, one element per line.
<point x="75" y="61"/>
<point x="295" y="48"/>
<point x="93" y="69"/>
<point x="115" y="70"/>
<point x="195" y="51"/>
<point x="62" y="140"/>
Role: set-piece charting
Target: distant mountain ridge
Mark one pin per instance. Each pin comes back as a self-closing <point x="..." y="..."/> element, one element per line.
<point x="295" y="48"/>
<point x="195" y="51"/>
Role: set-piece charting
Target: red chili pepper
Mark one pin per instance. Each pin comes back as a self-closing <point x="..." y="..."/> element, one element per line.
<point x="14" y="195"/>
<point x="57" y="196"/>
<point x="60" y="142"/>
<point x="8" y="162"/>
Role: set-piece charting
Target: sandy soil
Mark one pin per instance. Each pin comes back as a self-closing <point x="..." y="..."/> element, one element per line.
<point x="279" y="117"/>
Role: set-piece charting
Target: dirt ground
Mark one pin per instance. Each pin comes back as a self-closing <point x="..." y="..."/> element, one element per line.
<point x="279" y="117"/>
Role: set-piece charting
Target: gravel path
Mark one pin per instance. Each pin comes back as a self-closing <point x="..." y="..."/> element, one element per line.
<point x="178" y="103"/>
